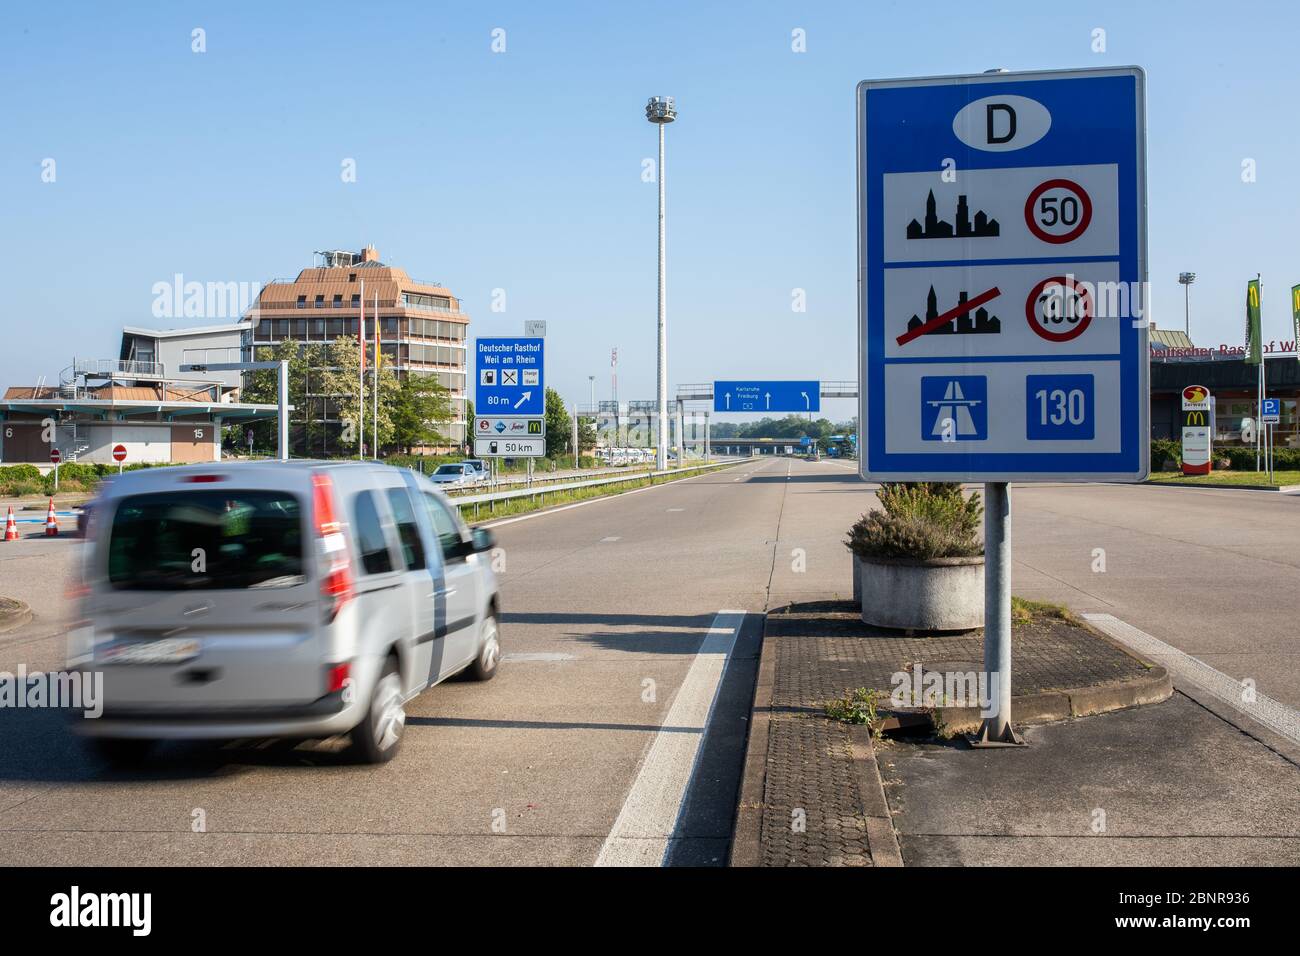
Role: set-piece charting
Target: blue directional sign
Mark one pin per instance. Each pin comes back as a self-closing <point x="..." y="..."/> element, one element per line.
<point x="1270" y="412"/>
<point x="1002" y="249"/>
<point x="509" y="377"/>
<point x="759" y="396"/>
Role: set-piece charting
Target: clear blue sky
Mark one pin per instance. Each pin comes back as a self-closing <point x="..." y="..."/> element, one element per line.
<point x="522" y="170"/>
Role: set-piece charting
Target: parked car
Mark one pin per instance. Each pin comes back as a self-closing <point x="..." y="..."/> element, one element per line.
<point x="457" y="475"/>
<point x="278" y="599"/>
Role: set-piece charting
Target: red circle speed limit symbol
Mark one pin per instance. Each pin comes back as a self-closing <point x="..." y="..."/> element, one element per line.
<point x="1058" y="211"/>
<point x="1059" y="308"/>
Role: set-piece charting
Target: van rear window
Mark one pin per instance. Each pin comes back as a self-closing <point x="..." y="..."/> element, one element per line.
<point x="205" y="540"/>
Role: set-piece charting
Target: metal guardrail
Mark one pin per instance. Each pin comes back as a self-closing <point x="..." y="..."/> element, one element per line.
<point x="466" y="501"/>
<point x="543" y="479"/>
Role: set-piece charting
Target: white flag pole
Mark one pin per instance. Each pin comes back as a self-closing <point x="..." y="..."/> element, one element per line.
<point x="361" y="376"/>
<point x="374" y="418"/>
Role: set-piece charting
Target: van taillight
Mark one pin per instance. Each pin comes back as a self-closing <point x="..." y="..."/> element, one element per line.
<point x="336" y="569"/>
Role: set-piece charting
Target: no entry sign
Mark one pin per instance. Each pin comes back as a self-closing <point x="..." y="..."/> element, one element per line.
<point x="1001" y="236"/>
<point x="55" y="456"/>
<point x="119" y="453"/>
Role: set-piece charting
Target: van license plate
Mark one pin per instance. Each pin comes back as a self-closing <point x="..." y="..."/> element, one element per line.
<point x="171" y="650"/>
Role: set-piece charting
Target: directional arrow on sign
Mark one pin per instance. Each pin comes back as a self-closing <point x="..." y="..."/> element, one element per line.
<point x="523" y="397"/>
<point x="805" y="399"/>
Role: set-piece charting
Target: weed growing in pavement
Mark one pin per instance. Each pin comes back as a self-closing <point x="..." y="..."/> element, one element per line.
<point x="857" y="707"/>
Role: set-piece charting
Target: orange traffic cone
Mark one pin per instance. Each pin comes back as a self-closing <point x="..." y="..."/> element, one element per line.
<point x="51" y="522"/>
<point x="11" y="526"/>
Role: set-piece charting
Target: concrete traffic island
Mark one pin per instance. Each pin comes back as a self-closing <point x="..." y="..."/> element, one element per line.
<point x="13" y="614"/>
<point x="811" y="793"/>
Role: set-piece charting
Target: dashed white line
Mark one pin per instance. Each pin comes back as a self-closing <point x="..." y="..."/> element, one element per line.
<point x="644" y="829"/>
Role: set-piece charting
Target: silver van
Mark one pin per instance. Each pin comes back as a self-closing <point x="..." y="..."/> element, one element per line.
<point x="278" y="599"/>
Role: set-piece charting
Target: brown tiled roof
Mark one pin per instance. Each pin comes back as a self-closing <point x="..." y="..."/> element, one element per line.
<point x="117" y="393"/>
<point x="150" y="393"/>
<point x="388" y="281"/>
<point x="34" y="392"/>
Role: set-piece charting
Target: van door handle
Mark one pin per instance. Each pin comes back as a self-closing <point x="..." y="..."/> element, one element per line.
<point x="443" y="592"/>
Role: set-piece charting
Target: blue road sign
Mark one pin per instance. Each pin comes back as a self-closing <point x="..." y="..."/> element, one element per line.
<point x="1002" y="244"/>
<point x="954" y="408"/>
<point x="1270" y="412"/>
<point x="758" y="396"/>
<point x="509" y="377"/>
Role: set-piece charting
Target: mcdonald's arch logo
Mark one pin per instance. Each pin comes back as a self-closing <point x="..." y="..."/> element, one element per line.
<point x="1195" y="418"/>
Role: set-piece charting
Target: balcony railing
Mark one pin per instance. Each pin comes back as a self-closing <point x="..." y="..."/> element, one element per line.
<point x="97" y="367"/>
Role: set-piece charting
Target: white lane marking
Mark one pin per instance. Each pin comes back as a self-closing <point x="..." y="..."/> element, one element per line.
<point x="645" y="825"/>
<point x="592" y="501"/>
<point x="676" y="509"/>
<point x="612" y="537"/>
<point x="536" y="657"/>
<point x="1273" y="714"/>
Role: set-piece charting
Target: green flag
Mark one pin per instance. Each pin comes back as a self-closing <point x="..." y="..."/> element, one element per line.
<point x="1295" y="319"/>
<point x="1252" y="323"/>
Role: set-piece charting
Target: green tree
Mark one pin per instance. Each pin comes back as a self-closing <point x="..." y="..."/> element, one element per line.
<point x="338" y="379"/>
<point x="262" y="386"/>
<point x="422" y="405"/>
<point x="559" y="426"/>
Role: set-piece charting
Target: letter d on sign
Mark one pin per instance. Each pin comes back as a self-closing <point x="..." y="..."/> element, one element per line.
<point x="990" y="113"/>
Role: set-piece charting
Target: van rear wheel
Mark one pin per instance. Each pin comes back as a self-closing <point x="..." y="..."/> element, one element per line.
<point x="378" y="736"/>
<point x="489" y="654"/>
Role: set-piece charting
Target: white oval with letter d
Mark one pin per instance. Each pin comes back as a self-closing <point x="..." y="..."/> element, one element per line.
<point x="999" y="124"/>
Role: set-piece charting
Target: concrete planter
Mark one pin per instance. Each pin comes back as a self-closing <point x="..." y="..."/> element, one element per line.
<point x="943" y="594"/>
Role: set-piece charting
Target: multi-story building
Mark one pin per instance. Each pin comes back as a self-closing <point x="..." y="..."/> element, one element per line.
<point x="422" y="329"/>
<point x="164" y="351"/>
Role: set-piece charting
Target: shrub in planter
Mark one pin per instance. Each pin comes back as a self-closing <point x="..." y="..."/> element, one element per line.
<point x="919" y="559"/>
<point x="919" y="521"/>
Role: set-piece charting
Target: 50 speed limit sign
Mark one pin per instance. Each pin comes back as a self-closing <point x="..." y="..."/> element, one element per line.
<point x="1002" y="237"/>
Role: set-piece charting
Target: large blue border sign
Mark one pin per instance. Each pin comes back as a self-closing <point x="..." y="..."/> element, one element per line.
<point x="1002" y="304"/>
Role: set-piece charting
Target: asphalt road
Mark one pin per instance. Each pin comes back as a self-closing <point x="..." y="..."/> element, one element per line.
<point x="630" y="624"/>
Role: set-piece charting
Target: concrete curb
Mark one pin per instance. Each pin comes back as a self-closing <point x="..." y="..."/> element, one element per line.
<point x="746" y="837"/>
<point x="1271" y="489"/>
<point x="1154" y="687"/>
<point x="13" y="618"/>
<point x="882" y="841"/>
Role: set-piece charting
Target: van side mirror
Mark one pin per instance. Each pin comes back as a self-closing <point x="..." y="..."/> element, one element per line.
<point x="483" y="540"/>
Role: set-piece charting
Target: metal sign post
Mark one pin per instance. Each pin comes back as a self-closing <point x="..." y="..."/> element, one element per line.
<point x="1001" y="297"/>
<point x="283" y="406"/>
